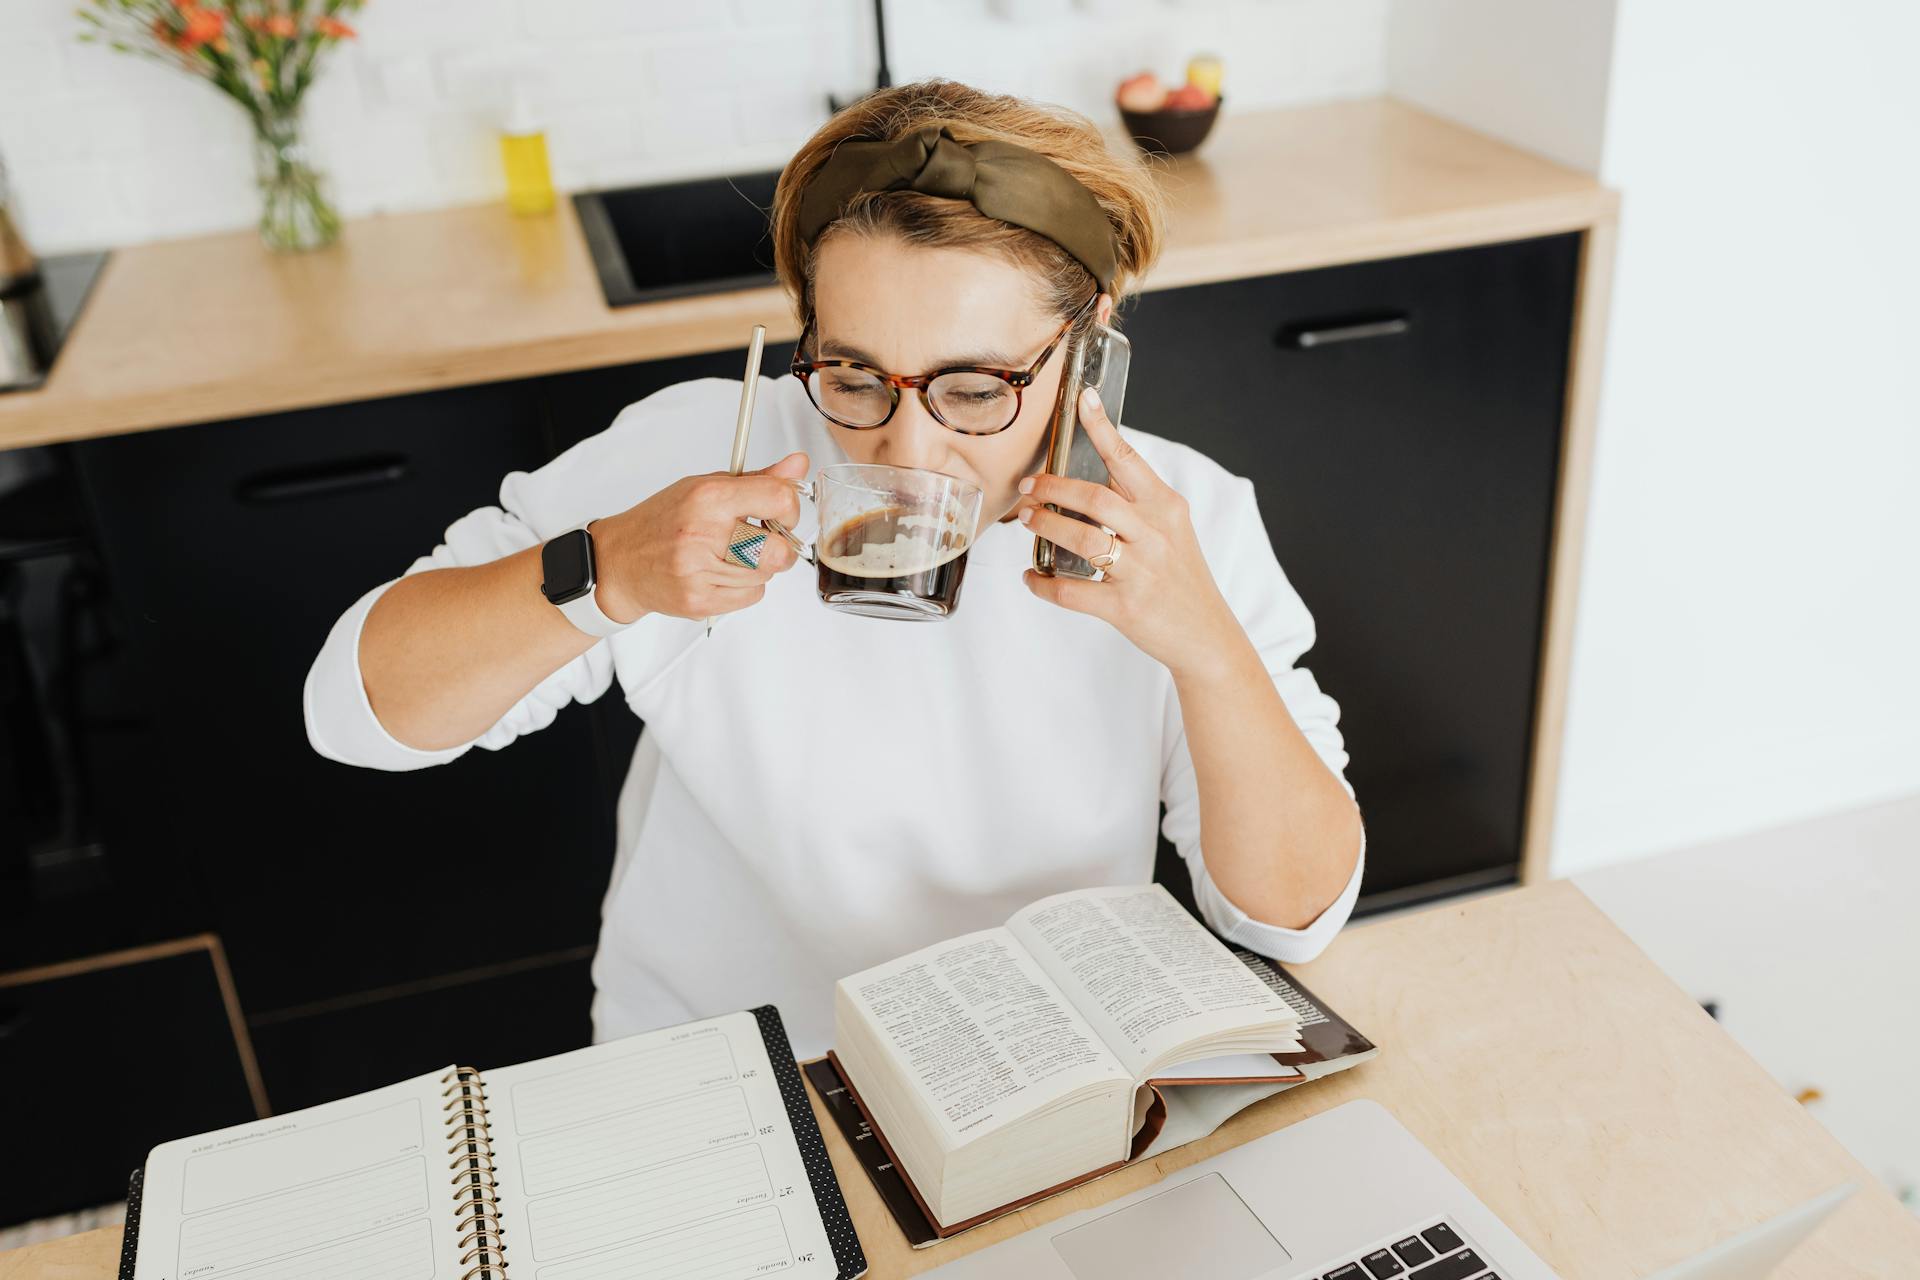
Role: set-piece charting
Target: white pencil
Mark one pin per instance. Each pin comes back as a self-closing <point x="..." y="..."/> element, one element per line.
<point x="743" y="425"/>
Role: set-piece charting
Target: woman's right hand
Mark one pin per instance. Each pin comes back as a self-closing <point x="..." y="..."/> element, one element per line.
<point x="668" y="554"/>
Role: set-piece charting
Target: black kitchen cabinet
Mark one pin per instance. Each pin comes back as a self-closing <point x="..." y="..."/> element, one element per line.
<point x="102" y="1060"/>
<point x="233" y="547"/>
<point x="583" y="404"/>
<point x="1401" y="421"/>
<point x="531" y="1010"/>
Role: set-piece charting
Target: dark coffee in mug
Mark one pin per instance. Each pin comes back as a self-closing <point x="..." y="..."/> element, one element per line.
<point x="894" y="562"/>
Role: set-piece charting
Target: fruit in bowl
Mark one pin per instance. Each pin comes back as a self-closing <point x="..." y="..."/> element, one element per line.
<point x="1188" y="97"/>
<point x="1142" y="93"/>
<point x="1171" y="121"/>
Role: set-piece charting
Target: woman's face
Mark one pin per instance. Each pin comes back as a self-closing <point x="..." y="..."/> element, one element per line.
<point x="908" y="309"/>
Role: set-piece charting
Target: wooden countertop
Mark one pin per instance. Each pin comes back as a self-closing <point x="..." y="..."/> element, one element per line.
<point x="1546" y="1061"/>
<point x="217" y="327"/>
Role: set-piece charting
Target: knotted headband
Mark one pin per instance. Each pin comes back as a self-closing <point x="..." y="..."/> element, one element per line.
<point x="1001" y="179"/>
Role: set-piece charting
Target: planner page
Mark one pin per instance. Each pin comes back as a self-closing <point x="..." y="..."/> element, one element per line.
<point x="352" y="1190"/>
<point x="662" y="1156"/>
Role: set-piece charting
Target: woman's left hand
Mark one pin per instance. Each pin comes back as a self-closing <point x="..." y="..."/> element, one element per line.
<point x="1159" y="592"/>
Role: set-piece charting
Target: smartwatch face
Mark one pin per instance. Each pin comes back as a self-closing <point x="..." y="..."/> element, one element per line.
<point x="567" y="563"/>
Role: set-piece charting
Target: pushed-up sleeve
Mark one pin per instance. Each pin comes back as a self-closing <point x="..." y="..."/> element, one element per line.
<point x="639" y="454"/>
<point x="1277" y="621"/>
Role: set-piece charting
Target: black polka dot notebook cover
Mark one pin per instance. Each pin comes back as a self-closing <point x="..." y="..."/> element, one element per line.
<point x="847" y="1254"/>
<point x="130" y="1243"/>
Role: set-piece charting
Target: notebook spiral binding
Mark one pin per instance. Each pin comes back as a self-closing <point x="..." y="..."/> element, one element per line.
<point x="470" y="1152"/>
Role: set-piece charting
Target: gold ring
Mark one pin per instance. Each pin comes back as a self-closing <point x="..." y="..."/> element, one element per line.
<point x="1105" y="561"/>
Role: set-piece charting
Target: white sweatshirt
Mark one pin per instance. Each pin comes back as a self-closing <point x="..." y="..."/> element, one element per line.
<point x="813" y="793"/>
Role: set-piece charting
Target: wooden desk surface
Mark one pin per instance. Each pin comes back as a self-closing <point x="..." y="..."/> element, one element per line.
<point x="215" y="327"/>
<point x="1585" y="1098"/>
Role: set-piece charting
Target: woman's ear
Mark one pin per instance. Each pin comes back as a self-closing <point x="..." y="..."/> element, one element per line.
<point x="1103" y="309"/>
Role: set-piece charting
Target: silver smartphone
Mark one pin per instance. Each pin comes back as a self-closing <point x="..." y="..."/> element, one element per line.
<point x="1099" y="361"/>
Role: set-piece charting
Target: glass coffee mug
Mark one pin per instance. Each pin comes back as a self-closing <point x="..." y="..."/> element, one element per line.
<point x="893" y="540"/>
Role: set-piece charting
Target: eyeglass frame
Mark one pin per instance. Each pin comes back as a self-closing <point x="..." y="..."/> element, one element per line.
<point x="803" y="368"/>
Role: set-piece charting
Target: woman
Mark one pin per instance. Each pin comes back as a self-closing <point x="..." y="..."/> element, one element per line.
<point x="815" y="793"/>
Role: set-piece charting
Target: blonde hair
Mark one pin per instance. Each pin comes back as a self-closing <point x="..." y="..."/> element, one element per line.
<point x="1125" y="188"/>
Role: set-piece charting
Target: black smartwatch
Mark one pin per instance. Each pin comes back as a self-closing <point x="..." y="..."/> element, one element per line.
<point x="567" y="565"/>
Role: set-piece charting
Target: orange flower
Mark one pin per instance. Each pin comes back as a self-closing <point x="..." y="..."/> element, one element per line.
<point x="335" y="28"/>
<point x="203" y="26"/>
<point x="283" y="26"/>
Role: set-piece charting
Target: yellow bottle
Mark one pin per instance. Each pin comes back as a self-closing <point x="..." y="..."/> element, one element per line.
<point x="523" y="152"/>
<point x="1204" y="71"/>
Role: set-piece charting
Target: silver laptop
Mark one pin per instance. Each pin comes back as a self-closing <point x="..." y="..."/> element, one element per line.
<point x="1346" y="1195"/>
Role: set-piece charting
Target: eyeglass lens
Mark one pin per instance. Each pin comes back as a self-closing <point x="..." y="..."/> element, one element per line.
<point x="975" y="403"/>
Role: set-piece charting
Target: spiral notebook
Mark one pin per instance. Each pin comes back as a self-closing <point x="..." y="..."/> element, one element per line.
<point x="688" y="1153"/>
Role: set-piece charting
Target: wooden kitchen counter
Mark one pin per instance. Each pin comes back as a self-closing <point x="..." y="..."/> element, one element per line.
<point x="217" y="327"/>
<point x="1545" y="1060"/>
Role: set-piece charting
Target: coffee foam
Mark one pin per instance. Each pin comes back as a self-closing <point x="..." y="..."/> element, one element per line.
<point x="919" y="543"/>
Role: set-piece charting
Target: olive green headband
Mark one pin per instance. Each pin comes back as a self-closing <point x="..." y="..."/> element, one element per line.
<point x="1001" y="179"/>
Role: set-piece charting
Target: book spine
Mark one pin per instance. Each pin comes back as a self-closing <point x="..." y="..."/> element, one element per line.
<point x="470" y="1156"/>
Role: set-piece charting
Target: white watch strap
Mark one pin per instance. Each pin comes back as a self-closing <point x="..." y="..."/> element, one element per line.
<point x="586" y="614"/>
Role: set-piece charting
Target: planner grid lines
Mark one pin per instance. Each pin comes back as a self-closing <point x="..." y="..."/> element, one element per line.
<point x="403" y="1252"/>
<point x="269" y="1165"/>
<point x="743" y="1244"/>
<point x="658" y="1198"/>
<point x="592" y="1150"/>
<point x="589" y="1092"/>
<point x="220" y="1241"/>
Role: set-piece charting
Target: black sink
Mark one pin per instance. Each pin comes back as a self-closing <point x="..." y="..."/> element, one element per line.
<point x="676" y="239"/>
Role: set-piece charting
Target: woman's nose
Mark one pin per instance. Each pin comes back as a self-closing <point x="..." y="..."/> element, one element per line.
<point x="914" y="437"/>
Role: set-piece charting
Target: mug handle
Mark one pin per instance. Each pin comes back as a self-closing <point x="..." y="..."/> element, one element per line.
<point x="805" y="489"/>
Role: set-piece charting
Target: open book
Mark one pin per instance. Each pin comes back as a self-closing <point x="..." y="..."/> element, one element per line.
<point x="1002" y="1064"/>
<point x="686" y="1151"/>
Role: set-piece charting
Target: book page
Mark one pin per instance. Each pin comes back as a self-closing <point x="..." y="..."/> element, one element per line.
<point x="981" y="1031"/>
<point x="662" y="1156"/>
<point x="356" y="1188"/>
<point x="1230" y="1066"/>
<point x="1145" y="974"/>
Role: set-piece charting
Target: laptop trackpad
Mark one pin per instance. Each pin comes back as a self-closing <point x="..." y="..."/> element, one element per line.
<point x="1200" y="1228"/>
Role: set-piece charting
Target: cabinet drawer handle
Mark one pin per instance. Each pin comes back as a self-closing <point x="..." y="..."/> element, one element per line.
<point x="322" y="481"/>
<point x="1321" y="333"/>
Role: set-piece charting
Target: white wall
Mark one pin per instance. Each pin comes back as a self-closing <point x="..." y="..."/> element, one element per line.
<point x="107" y="149"/>
<point x="1748" y="649"/>
<point x="1748" y="646"/>
<point x="1533" y="72"/>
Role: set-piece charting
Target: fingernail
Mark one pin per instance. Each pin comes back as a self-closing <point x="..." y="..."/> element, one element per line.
<point x="1091" y="398"/>
<point x="1026" y="484"/>
<point x="1026" y="515"/>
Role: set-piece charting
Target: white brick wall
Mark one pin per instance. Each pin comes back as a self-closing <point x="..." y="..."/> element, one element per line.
<point x="109" y="149"/>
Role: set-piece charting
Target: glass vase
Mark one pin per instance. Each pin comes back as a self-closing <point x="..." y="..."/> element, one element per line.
<point x="294" y="212"/>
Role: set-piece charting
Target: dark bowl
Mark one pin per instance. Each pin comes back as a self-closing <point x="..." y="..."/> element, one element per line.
<point x="1170" y="133"/>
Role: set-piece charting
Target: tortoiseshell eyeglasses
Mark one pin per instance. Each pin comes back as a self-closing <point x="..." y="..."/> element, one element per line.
<point x="970" y="399"/>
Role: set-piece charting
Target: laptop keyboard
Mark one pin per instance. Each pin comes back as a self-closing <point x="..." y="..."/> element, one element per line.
<point x="1437" y="1253"/>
